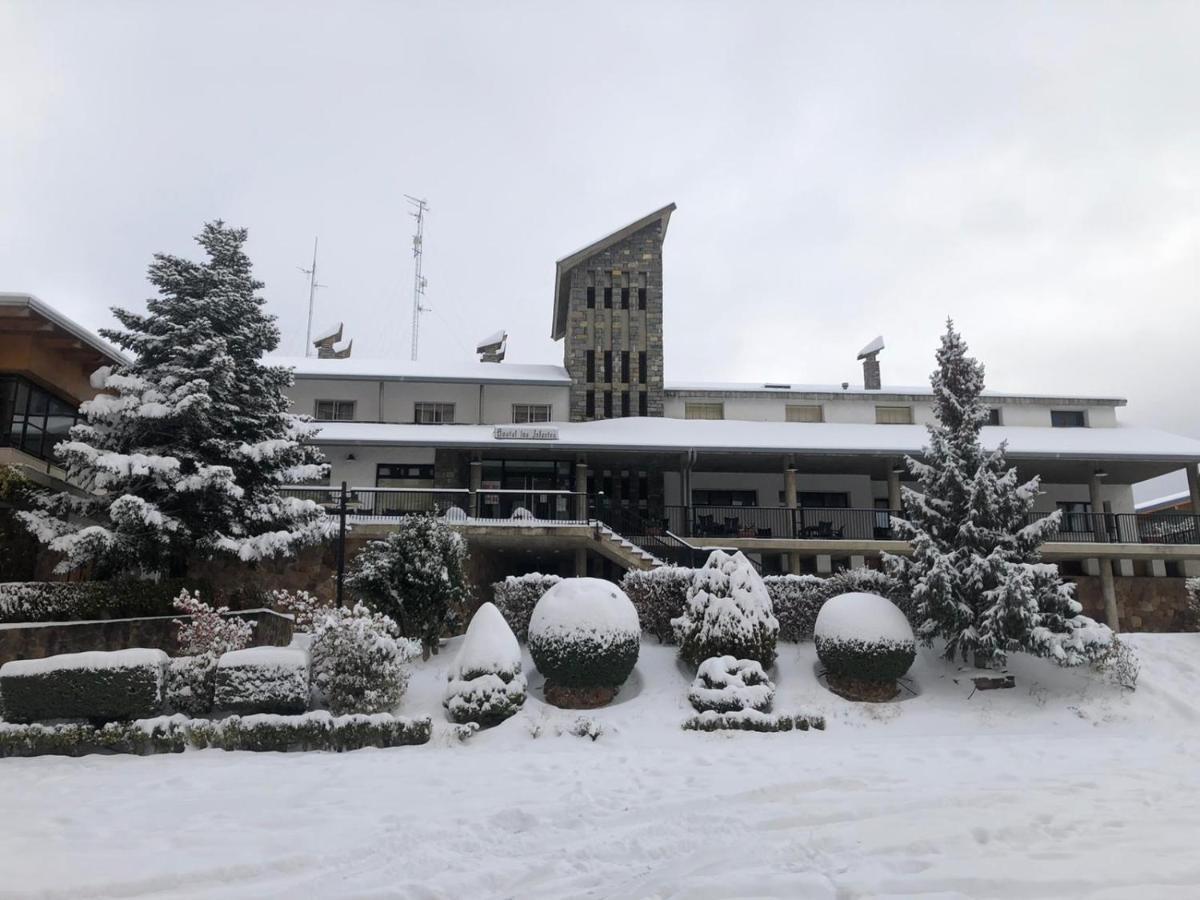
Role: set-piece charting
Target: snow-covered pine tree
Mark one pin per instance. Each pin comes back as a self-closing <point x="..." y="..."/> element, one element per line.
<point x="974" y="575"/>
<point x="186" y="453"/>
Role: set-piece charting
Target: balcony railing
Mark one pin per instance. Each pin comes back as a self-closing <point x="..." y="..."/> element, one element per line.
<point x="366" y="503"/>
<point x="805" y="523"/>
<point x="1124" y="528"/>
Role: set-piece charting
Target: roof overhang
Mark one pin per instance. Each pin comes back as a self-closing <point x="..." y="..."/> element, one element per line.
<point x="25" y="312"/>
<point x="563" y="267"/>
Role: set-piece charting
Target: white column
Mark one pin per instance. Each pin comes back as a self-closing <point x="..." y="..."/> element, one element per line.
<point x="824" y="564"/>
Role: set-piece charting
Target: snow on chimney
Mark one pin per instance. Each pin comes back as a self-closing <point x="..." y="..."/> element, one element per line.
<point x="870" y="357"/>
<point x="493" y="347"/>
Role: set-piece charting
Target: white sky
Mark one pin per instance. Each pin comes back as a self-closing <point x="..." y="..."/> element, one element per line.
<point x="841" y="170"/>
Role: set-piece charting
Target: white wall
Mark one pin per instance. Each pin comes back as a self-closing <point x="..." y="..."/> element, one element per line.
<point x="360" y="471"/>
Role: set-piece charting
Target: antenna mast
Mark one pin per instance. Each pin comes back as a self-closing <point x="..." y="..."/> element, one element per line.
<point x="312" y="294"/>
<point x="418" y="279"/>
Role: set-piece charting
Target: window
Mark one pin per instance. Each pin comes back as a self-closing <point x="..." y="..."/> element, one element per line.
<point x="608" y="404"/>
<point x="334" y="411"/>
<point x="608" y="369"/>
<point x="704" y="410"/>
<point x="641" y="367"/>
<point x="641" y="298"/>
<point x="387" y="474"/>
<point x="823" y="499"/>
<point x="625" y="403"/>
<point x="1076" y="516"/>
<point x="591" y="297"/>
<point x="531" y="412"/>
<point x="608" y="298"/>
<point x="643" y="282"/>
<point x="993" y="416"/>
<point x="590" y="357"/>
<point x="1068" y="418"/>
<point x="724" y="498"/>
<point x="589" y="404"/>
<point x="625" y="366"/>
<point x="434" y="413"/>
<point x="893" y="415"/>
<point x="803" y="413"/>
<point x="624" y="298"/>
<point x="643" y="404"/>
<point x="31" y="418"/>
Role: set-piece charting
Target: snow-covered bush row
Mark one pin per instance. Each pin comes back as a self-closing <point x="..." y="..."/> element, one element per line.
<point x="659" y="595"/>
<point x="1192" y="611"/>
<point x="724" y="684"/>
<point x="728" y="613"/>
<point x="359" y="660"/>
<point x="485" y="684"/>
<point x="262" y="680"/>
<point x="65" y="601"/>
<point x="98" y="686"/>
<point x="584" y="633"/>
<point x="191" y="682"/>
<point x="517" y="595"/>
<point x="416" y="575"/>
<point x="796" y="599"/>
<point x="864" y="637"/>
<point x="311" y="731"/>
<point x="752" y="720"/>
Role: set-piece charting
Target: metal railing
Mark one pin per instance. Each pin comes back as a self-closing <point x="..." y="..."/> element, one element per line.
<point x="1123" y="528"/>
<point x="366" y="503"/>
<point x="767" y="522"/>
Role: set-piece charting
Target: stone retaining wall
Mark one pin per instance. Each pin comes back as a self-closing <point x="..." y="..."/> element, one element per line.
<point x="1143" y="603"/>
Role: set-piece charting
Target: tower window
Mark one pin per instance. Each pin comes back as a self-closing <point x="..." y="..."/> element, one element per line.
<point x="625" y="366"/>
<point x="624" y="298"/>
<point x="589" y="404"/>
<point x="608" y="404"/>
<point x="590" y="357"/>
<point x="643" y="404"/>
<point x="641" y="298"/>
<point x="625" y="403"/>
<point x="641" y="367"/>
<point x="608" y="369"/>
<point x="608" y="298"/>
<point x="591" y="297"/>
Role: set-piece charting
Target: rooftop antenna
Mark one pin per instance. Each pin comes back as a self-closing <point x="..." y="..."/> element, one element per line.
<point x="419" y="281"/>
<point x="313" y="284"/>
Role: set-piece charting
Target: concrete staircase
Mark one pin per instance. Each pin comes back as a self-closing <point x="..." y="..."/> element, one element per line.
<point x="621" y="550"/>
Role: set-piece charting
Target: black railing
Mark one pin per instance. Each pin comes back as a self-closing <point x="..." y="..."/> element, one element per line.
<point x="456" y="503"/>
<point x="1123" y="528"/>
<point x="765" y="522"/>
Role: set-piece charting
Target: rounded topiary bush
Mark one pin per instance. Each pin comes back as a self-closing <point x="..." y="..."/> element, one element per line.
<point x="584" y="636"/>
<point x="485" y="684"/>
<point x="863" y="639"/>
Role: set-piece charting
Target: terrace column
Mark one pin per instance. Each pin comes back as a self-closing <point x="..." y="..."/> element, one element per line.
<point x="893" y="486"/>
<point x="476" y="483"/>
<point x="1107" y="585"/>
<point x="789" y="500"/>
<point x="581" y="498"/>
<point x="1194" y="487"/>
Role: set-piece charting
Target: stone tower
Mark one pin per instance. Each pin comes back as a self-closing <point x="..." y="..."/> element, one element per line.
<point x="608" y="305"/>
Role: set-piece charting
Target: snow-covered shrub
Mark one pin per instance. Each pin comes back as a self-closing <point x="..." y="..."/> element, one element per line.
<point x="517" y="595"/>
<point x="208" y="630"/>
<point x="521" y="514"/>
<point x="795" y="601"/>
<point x="724" y="684"/>
<point x="303" y="607"/>
<point x="415" y="575"/>
<point x="864" y="637"/>
<point x="359" y="660"/>
<point x="262" y="680"/>
<point x="312" y="731"/>
<point x="191" y="683"/>
<point x="1191" y="616"/>
<point x="752" y="720"/>
<point x="100" y="686"/>
<point x="659" y="595"/>
<point x="584" y="633"/>
<point x="64" y="601"/>
<point x="586" y="726"/>
<point x="1120" y="666"/>
<point x="485" y="684"/>
<point x="728" y="613"/>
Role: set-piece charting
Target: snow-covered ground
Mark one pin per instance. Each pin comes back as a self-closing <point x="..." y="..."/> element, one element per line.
<point x="1062" y="787"/>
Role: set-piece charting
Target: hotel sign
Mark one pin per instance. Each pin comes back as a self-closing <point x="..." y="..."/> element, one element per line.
<point x="525" y="433"/>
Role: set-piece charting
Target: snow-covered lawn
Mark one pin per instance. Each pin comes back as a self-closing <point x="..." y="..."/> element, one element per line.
<point x="1062" y="787"/>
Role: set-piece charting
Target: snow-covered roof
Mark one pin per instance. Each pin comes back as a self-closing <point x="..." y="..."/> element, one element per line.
<point x="874" y="347"/>
<point x="361" y="368"/>
<point x="491" y="340"/>
<point x="733" y="436"/>
<point x="563" y="267"/>
<point x="887" y="392"/>
<point x="59" y="320"/>
<point x="333" y="331"/>
<point x="1165" y="502"/>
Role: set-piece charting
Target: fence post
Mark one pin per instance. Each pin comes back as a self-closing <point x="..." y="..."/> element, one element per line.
<point x="341" y="545"/>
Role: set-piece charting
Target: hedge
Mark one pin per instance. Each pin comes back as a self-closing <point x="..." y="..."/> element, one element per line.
<point x="517" y="595"/>
<point x="752" y="720"/>
<point x="67" y="601"/>
<point x="659" y="595"/>
<point x="797" y="599"/>
<point x="874" y="660"/>
<point x="174" y="734"/>
<point x="262" y="680"/>
<point x="98" y="686"/>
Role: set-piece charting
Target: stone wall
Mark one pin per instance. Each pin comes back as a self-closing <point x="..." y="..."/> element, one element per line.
<point x="39" y="640"/>
<point x="1143" y="603"/>
<point x="630" y="262"/>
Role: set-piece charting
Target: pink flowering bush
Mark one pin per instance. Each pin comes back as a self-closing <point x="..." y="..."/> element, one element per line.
<point x="210" y="631"/>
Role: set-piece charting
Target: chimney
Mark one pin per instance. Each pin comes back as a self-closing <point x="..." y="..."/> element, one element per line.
<point x="492" y="348"/>
<point x="869" y="354"/>
<point x="330" y="345"/>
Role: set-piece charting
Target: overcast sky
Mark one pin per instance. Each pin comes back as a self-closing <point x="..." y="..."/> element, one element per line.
<point x="841" y="170"/>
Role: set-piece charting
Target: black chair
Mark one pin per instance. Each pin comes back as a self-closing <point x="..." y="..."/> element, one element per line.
<point x="762" y="532"/>
<point x="731" y="525"/>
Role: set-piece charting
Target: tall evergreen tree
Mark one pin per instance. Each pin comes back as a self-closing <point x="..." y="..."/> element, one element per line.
<point x="975" y="574"/>
<point x="187" y="451"/>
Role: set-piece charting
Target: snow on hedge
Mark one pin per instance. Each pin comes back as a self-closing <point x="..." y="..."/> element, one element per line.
<point x="728" y="613"/>
<point x="96" y="685"/>
<point x="485" y="684"/>
<point x="863" y="617"/>
<point x="262" y="680"/>
<point x="725" y="684"/>
<point x="585" y="633"/>
<point x="91" y="659"/>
